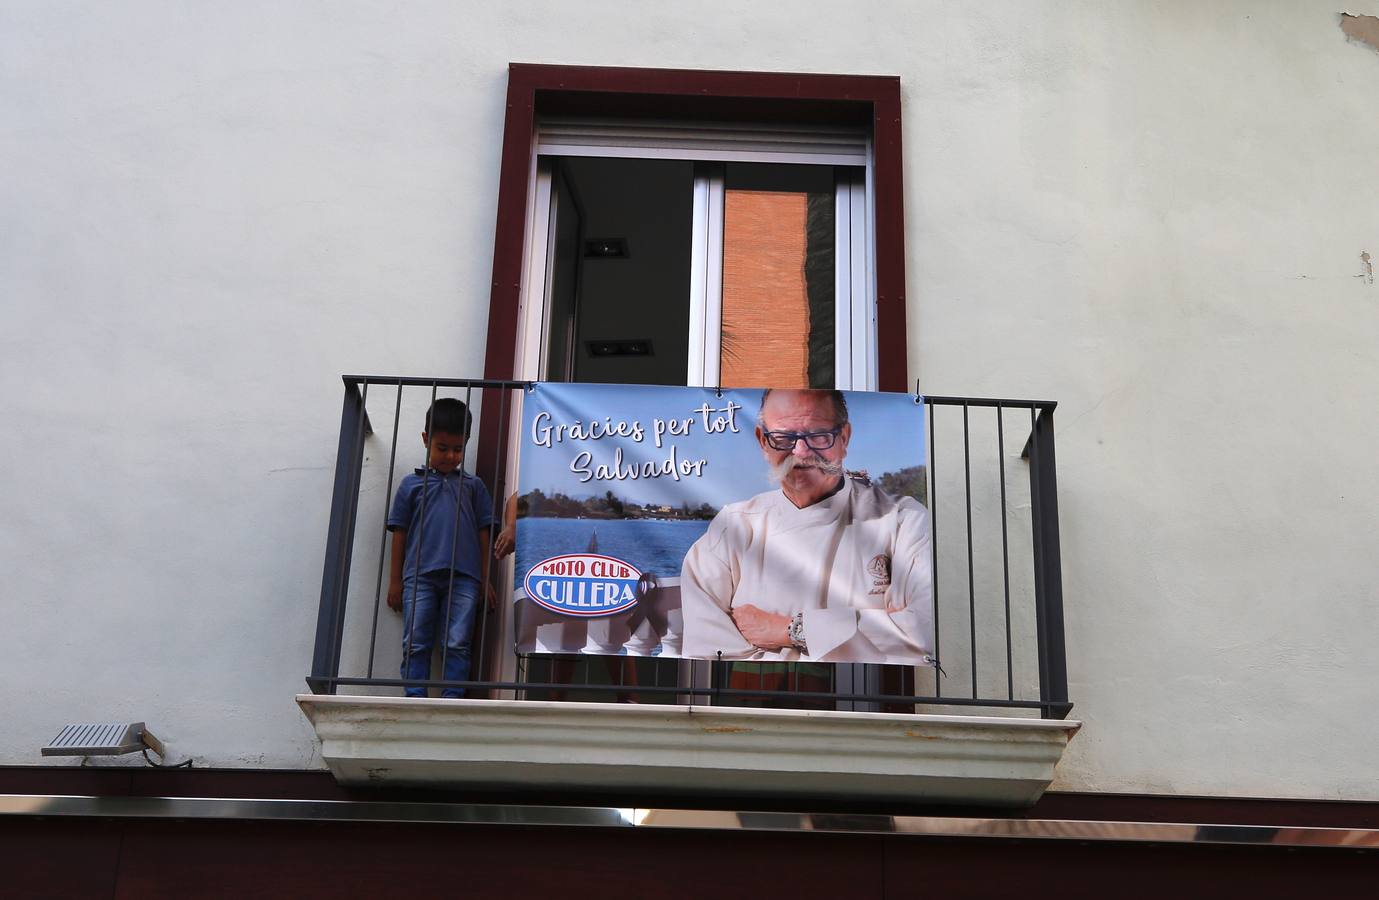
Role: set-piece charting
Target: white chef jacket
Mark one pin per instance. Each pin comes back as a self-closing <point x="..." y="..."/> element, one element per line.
<point x="857" y="564"/>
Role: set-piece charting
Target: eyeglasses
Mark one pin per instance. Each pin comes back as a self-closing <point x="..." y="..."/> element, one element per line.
<point x="814" y="440"/>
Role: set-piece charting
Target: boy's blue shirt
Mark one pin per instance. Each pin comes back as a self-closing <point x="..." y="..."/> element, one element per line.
<point x="456" y="506"/>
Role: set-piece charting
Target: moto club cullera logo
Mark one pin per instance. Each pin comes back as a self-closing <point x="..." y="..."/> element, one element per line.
<point x="583" y="584"/>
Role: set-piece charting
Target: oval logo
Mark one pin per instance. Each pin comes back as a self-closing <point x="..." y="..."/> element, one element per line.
<point x="583" y="584"/>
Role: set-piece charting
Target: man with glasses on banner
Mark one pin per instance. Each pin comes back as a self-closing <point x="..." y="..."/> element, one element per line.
<point x="829" y="568"/>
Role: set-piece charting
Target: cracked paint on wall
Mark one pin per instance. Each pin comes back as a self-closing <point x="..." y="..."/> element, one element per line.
<point x="1363" y="29"/>
<point x="1368" y="274"/>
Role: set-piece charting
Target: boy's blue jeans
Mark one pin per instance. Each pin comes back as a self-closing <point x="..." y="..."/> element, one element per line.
<point x="424" y="616"/>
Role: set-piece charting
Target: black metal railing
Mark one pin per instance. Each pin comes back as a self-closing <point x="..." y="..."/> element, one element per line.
<point x="998" y="606"/>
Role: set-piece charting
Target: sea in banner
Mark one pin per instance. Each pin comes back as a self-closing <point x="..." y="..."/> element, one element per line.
<point x="655" y="546"/>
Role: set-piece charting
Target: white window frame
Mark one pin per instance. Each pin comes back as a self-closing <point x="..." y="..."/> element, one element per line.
<point x="855" y="361"/>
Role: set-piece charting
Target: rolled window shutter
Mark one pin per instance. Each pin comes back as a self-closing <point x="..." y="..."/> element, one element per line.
<point x="703" y="141"/>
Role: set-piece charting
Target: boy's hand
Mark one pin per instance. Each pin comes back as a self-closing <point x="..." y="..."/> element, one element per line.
<point x="504" y="543"/>
<point x="492" y="596"/>
<point x="395" y="570"/>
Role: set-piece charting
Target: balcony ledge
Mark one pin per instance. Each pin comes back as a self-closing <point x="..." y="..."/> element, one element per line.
<point x="705" y="750"/>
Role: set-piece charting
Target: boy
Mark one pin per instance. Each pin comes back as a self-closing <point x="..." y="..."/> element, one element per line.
<point x="440" y="520"/>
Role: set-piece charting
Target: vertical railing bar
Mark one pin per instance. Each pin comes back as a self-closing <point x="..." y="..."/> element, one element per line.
<point x="1051" y="603"/>
<point x="690" y="695"/>
<point x="498" y="499"/>
<point x="408" y="637"/>
<point x="383" y="545"/>
<point x="450" y="581"/>
<point x="933" y="550"/>
<point x="1005" y="550"/>
<point x="339" y="538"/>
<point x="971" y="578"/>
<point x="356" y="471"/>
<point x="454" y="544"/>
<point x="1041" y="638"/>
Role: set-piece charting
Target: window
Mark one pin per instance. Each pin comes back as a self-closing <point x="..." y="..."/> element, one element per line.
<point x="646" y="216"/>
<point x="647" y="262"/>
<point x="760" y="99"/>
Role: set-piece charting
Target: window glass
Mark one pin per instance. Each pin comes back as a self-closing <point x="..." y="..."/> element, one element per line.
<point x="618" y="309"/>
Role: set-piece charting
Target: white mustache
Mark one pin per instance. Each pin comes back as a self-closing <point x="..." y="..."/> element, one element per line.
<point x="783" y="468"/>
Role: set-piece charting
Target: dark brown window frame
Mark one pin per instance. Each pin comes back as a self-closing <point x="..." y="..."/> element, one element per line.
<point x="762" y="97"/>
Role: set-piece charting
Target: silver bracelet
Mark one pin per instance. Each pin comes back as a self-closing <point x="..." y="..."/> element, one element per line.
<point x="795" y="632"/>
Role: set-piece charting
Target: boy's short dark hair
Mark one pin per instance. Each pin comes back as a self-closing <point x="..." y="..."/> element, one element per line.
<point x="450" y="416"/>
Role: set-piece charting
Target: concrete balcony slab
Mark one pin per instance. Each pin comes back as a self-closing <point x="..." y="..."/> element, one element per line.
<point x="705" y="750"/>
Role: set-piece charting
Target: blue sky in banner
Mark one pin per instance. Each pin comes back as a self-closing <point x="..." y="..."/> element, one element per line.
<point x="888" y="434"/>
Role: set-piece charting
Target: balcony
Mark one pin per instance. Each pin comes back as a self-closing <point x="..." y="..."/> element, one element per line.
<point x="986" y="726"/>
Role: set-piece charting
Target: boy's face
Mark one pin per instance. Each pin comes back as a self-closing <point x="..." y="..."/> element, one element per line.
<point x="447" y="450"/>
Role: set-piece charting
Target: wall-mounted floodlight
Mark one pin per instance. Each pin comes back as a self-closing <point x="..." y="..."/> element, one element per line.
<point x="103" y="739"/>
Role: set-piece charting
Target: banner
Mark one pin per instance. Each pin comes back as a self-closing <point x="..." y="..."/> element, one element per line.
<point x="762" y="525"/>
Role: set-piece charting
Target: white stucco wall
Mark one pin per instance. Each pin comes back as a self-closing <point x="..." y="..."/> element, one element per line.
<point x="1153" y="213"/>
